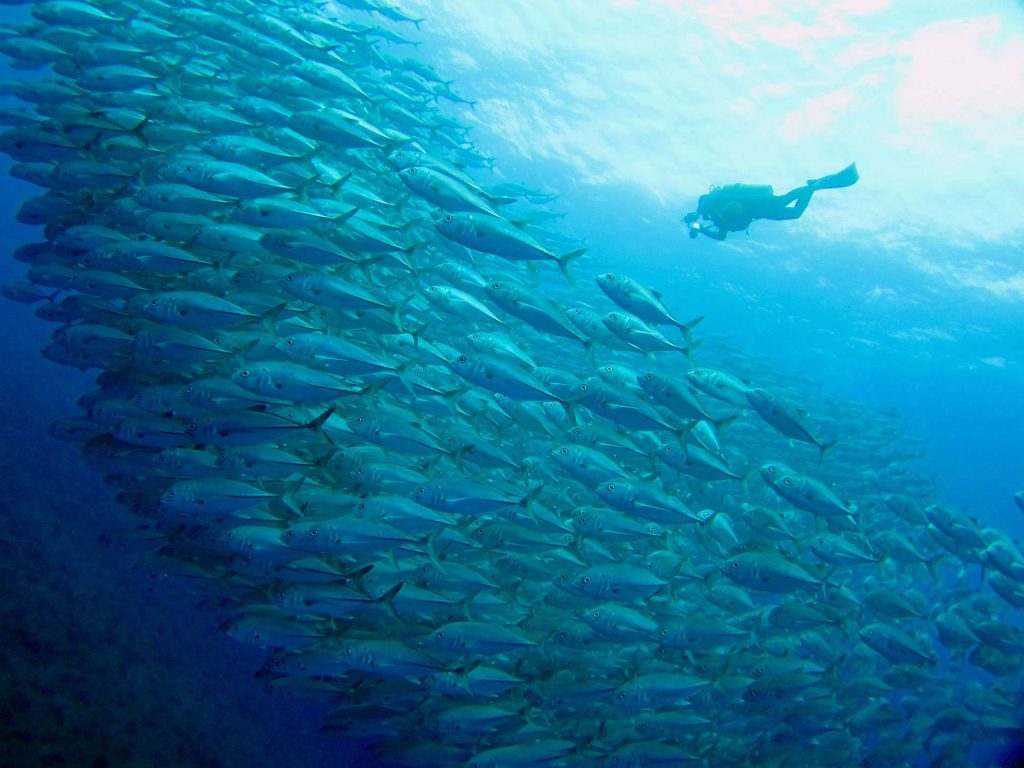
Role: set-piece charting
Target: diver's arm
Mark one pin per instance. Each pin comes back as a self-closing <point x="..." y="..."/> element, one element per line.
<point x="716" y="233"/>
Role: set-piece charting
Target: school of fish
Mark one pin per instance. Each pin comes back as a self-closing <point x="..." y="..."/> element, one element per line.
<point x="495" y="515"/>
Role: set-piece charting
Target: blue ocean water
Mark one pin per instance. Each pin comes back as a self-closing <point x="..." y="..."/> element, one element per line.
<point x="837" y="313"/>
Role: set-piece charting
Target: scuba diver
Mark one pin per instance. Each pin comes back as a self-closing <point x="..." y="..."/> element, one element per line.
<point x="733" y="208"/>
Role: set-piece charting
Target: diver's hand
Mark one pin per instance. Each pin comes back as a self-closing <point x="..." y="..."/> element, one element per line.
<point x="694" y="228"/>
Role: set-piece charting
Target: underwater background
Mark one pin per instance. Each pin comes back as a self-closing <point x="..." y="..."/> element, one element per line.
<point x="898" y="299"/>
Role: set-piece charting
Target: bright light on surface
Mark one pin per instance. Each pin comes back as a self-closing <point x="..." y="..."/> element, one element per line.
<point x="672" y="96"/>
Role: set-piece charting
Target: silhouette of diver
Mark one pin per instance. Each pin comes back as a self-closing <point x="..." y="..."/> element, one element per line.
<point x="733" y="208"/>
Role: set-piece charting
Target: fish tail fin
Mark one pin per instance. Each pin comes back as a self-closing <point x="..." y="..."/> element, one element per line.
<point x="415" y="333"/>
<point x="239" y="355"/>
<point x="356" y="574"/>
<point x="404" y="381"/>
<point x="687" y="328"/>
<point x="288" y="497"/>
<point x="689" y="348"/>
<point x="565" y="264"/>
<point x="588" y="350"/>
<point x="683" y="433"/>
<point x="500" y="199"/>
<point x="388" y="599"/>
<point x="317" y="424"/>
<point x="137" y="131"/>
<point x="725" y="421"/>
<point x="336" y="186"/>
<point x="408" y="226"/>
<point x="825" y="447"/>
<point x="346" y="216"/>
<point x="270" y="314"/>
<point x="705" y="754"/>
<point x="570" y="411"/>
<point x="531" y="495"/>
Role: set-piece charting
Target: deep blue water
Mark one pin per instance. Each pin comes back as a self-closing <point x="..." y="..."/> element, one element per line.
<point x="819" y="324"/>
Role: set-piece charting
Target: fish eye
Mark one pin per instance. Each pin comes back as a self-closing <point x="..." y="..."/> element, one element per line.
<point x="448" y="219"/>
<point x="771" y="468"/>
<point x="244" y="372"/>
<point x="648" y="377"/>
<point x="586" y="580"/>
<point x="583" y="387"/>
<point x="735" y="563"/>
<point x="440" y="635"/>
<point x="315" y="532"/>
<point x="787" y="481"/>
<point x="564" y="451"/>
<point x="610" y="487"/>
<point x="622" y="695"/>
<point x="462" y="359"/>
<point x="412" y="171"/>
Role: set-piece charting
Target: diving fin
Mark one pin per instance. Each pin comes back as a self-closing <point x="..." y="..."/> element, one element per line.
<point x="844" y="178"/>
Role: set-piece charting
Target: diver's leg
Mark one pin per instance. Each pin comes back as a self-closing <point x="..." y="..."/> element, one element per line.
<point x="782" y="211"/>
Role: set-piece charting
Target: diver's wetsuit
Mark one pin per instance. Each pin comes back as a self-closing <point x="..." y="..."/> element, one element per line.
<point x="734" y="207"/>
